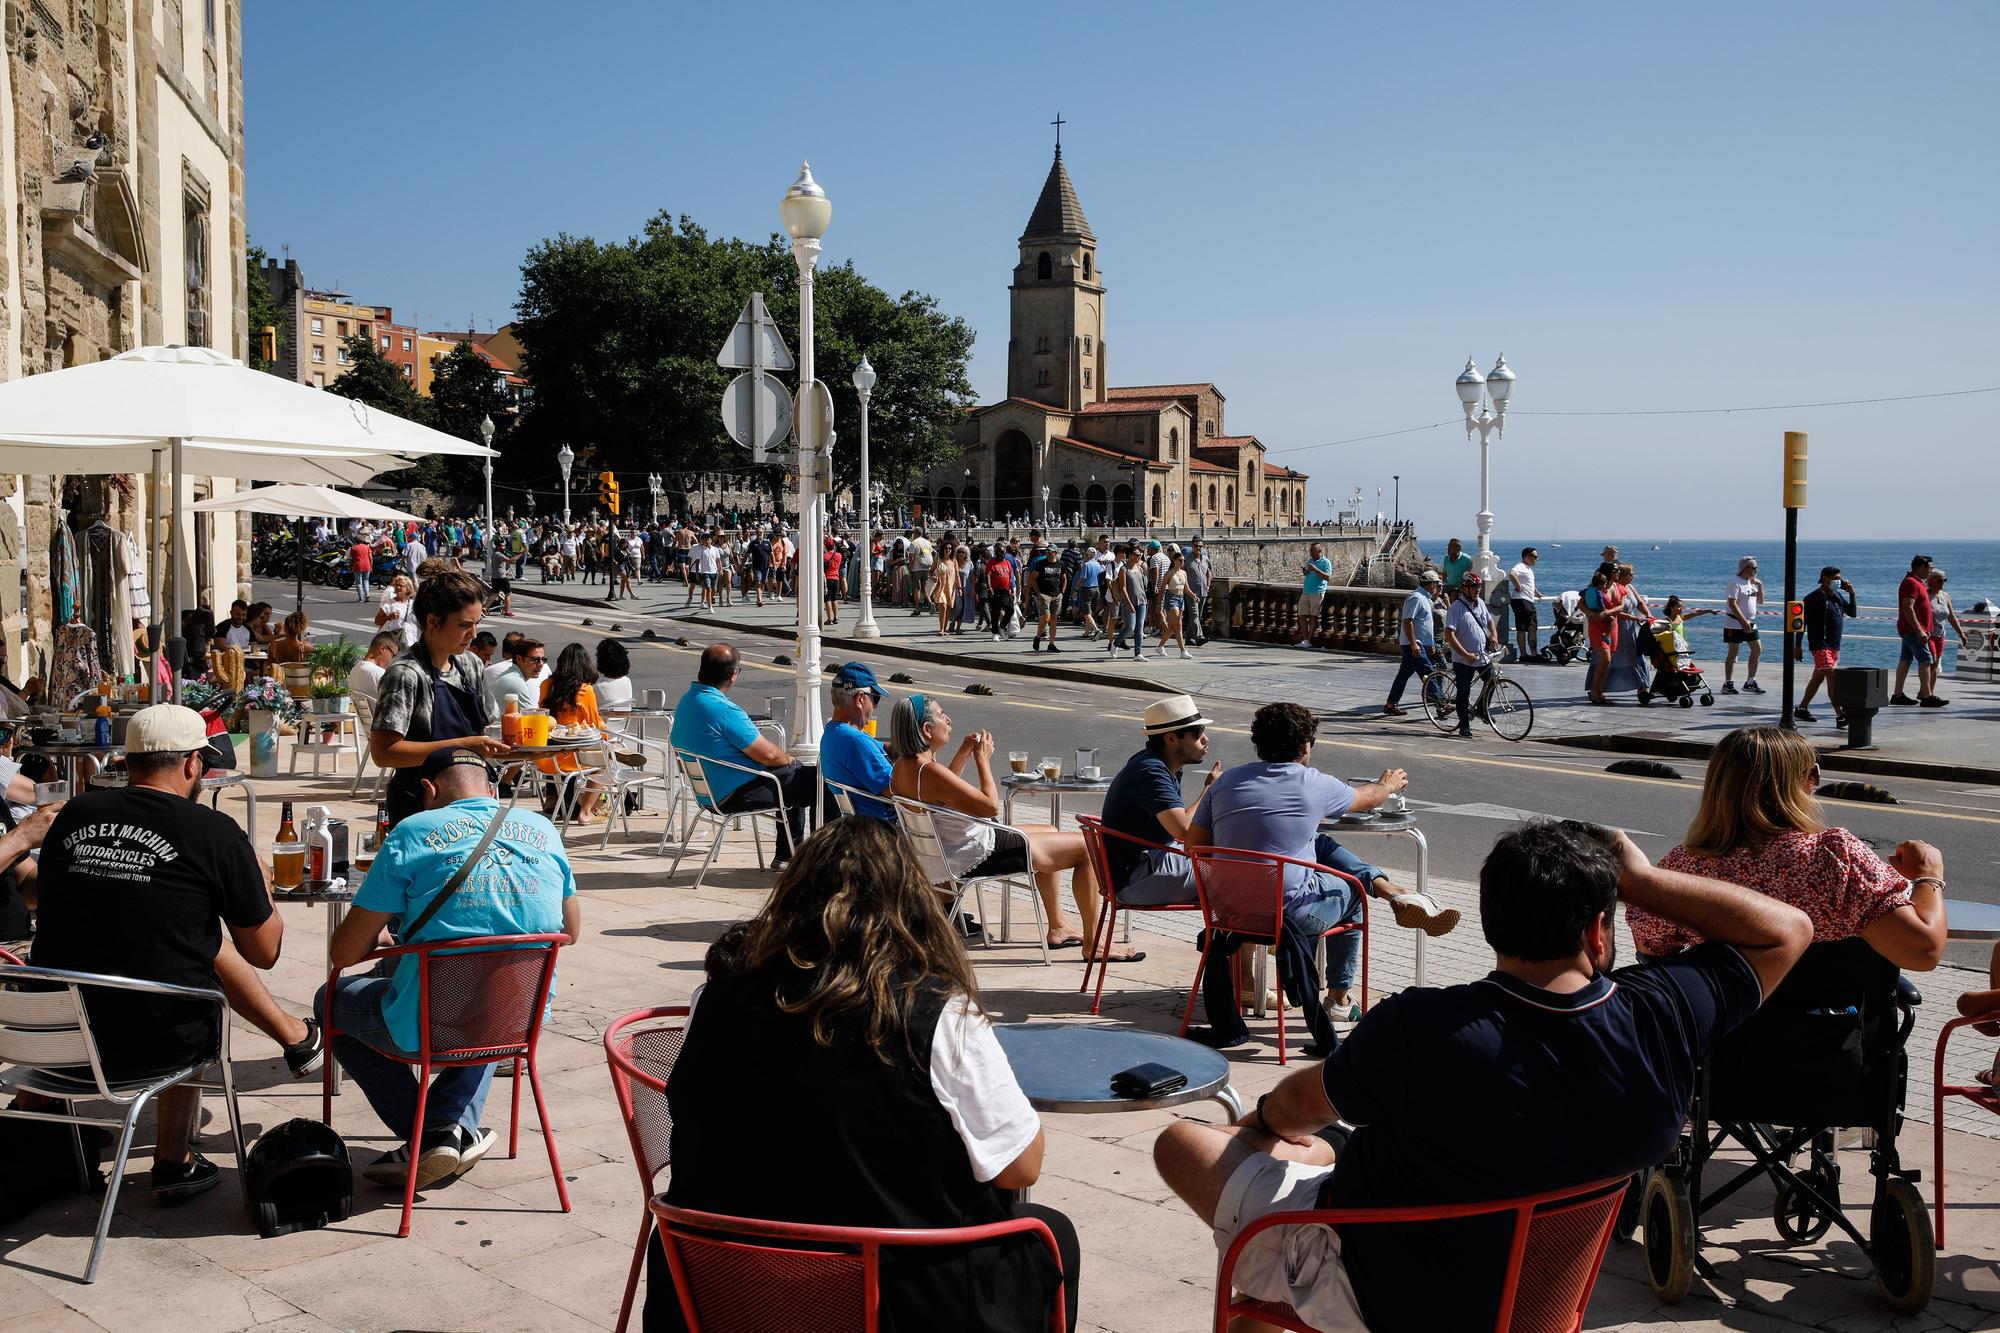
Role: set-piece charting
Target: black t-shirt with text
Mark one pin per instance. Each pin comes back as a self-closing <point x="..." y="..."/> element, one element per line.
<point x="137" y="883"/>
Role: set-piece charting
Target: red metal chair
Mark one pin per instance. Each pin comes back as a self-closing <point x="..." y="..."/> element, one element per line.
<point x="1559" y="1241"/>
<point x="8" y="959"/>
<point x="642" y="1060"/>
<point x="1243" y="892"/>
<point x="1094" y="834"/>
<point x="740" y="1273"/>
<point x="473" y="1008"/>
<point x="1979" y="1094"/>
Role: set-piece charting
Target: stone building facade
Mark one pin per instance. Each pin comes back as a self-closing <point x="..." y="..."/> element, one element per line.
<point x="121" y="225"/>
<point x="1064" y="441"/>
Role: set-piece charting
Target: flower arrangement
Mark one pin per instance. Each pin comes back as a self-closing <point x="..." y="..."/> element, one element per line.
<point x="267" y="692"/>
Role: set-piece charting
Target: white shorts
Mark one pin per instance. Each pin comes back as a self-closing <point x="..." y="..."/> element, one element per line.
<point x="1298" y="1265"/>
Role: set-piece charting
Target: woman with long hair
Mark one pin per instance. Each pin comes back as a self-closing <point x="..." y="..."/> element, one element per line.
<point x="945" y="589"/>
<point x="850" y="992"/>
<point x="613" y="686"/>
<point x="571" y="700"/>
<point x="1173" y="604"/>
<point x="292" y="645"/>
<point x="1759" y="826"/>
<point x="974" y="848"/>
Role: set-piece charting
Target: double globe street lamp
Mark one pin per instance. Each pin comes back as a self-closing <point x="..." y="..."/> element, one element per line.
<point x="486" y="434"/>
<point x="806" y="211"/>
<point x="865" y="627"/>
<point x="1485" y="401"/>
<point x="566" y="457"/>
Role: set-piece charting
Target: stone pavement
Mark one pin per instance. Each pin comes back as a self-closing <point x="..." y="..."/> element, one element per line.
<point x="491" y="1251"/>
<point x="1349" y="687"/>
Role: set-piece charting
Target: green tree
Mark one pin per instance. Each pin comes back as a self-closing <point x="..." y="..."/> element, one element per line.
<point x="466" y="390"/>
<point x="263" y="307"/>
<point x="620" y="341"/>
<point x="374" y="379"/>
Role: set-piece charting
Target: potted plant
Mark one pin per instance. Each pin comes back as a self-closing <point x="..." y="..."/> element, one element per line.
<point x="328" y="664"/>
<point x="329" y="696"/>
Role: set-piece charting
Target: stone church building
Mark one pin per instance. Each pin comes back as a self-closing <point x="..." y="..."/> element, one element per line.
<point x="121" y="225"/>
<point x="1064" y="441"/>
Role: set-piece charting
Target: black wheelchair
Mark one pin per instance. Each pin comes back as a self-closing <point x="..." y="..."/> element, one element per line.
<point x="1824" y="1053"/>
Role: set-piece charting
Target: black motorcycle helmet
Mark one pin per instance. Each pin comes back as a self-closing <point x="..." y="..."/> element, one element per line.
<point x="299" y="1178"/>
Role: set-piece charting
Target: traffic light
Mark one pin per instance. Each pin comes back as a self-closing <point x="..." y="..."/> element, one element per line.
<point x="607" y="492"/>
<point x="1795" y="617"/>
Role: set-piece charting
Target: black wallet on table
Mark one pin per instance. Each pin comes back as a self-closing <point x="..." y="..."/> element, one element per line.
<point x="1147" y="1080"/>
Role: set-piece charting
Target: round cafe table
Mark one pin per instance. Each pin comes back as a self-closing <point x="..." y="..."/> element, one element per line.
<point x="1966" y="920"/>
<point x="1034" y="784"/>
<point x="1399" y="825"/>
<point x="72" y="755"/>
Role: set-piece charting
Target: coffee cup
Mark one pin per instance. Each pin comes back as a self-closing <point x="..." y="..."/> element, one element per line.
<point x="1017" y="760"/>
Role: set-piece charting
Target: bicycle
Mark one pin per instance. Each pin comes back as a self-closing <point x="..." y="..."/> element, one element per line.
<point x="1502" y="704"/>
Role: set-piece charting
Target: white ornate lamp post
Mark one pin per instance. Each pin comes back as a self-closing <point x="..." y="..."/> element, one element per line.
<point x="653" y="485"/>
<point x="1485" y="403"/>
<point x="566" y="457"/>
<point x="865" y="627"/>
<point x="1045" y="509"/>
<point x="806" y="211"/>
<point x="486" y="434"/>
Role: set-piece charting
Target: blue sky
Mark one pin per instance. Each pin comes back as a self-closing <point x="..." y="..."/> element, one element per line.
<point x="1321" y="208"/>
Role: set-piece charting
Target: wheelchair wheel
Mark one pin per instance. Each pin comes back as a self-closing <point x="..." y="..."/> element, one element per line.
<point x="1668" y="1215"/>
<point x="1899" y="1235"/>
<point x="1441" y="701"/>
<point x="1799" y="1219"/>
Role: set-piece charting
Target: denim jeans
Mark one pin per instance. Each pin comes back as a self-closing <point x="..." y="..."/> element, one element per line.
<point x="361" y="589"/>
<point x="1413" y="666"/>
<point x="1133" y="626"/>
<point x="457" y="1094"/>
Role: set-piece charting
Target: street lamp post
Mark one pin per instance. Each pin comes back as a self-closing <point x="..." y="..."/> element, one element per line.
<point x="806" y="211"/>
<point x="566" y="456"/>
<point x="964" y="507"/>
<point x="653" y="485"/>
<point x="1485" y="403"/>
<point x="865" y="627"/>
<point x="1398" y="479"/>
<point x="1045" y="508"/>
<point x="486" y="434"/>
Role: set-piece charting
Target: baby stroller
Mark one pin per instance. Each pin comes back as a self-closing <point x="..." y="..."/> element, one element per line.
<point x="1675" y="677"/>
<point x="1565" y="643"/>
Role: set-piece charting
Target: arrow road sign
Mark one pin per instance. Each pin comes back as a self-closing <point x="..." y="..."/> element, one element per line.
<point x="755" y="343"/>
<point x="757" y="412"/>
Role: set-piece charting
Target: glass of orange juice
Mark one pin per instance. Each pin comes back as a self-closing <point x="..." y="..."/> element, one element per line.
<point x="534" y="727"/>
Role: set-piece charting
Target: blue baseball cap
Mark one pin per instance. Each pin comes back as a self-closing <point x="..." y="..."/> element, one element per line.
<point x="859" y="676"/>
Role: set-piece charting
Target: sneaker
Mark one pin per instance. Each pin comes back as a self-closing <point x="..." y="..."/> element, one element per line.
<point x="1752" y="687"/>
<point x="1303" y="643"/>
<point x="1187" y="655"/>
<point x="1420" y="911"/>
<point x="1053" y="648"/>
<point x="305" y="1058"/>
<point x="1037" y="646"/>
<point x="1343" y="1015"/>
<point x="1800" y="714"/>
<point x="473" y="1145"/>
<point x="996" y="638"/>
<point x="1390" y="710"/>
<point x="1932" y="701"/>
<point x="177" y="1182"/>
<point x="1728" y="687"/>
<point x="1464" y="731"/>
<point x="1903" y="699"/>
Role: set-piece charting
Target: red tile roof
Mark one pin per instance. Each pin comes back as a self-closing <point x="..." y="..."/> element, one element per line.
<point x="1133" y="406"/>
<point x="1226" y="441"/>
<point x="1273" y="470"/>
<point x="1163" y="391"/>
<point x="1107" y="451"/>
<point x="1024" y="402"/>
<point x="1199" y="464"/>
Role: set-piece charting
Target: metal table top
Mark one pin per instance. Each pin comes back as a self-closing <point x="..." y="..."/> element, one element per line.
<point x="314" y="895"/>
<point x="1370" y="819"/>
<point x="1068" y="1066"/>
<point x="641" y="712"/>
<point x="1031" y="782"/>
<point x="1966" y="920"/>
<point x="62" y="749"/>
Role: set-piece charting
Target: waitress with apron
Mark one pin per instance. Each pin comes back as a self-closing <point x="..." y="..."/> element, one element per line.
<point x="429" y="697"/>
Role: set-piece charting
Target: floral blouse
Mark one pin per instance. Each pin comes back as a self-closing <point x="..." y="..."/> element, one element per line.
<point x="1832" y="876"/>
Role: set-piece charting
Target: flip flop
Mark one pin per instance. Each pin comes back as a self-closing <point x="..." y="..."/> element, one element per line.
<point x="1136" y="956"/>
<point x="1985" y="1076"/>
<point x="1074" y="942"/>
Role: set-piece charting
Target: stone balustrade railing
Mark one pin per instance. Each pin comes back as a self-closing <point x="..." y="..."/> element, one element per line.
<point x="1350" y="618"/>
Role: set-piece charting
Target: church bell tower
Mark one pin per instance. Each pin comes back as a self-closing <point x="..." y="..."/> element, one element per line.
<point x="1055" y="352"/>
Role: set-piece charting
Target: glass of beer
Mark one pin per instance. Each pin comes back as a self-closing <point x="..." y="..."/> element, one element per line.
<point x="1051" y="767"/>
<point x="288" y="864"/>
<point x="535" y="728"/>
<point x="1018" y="760"/>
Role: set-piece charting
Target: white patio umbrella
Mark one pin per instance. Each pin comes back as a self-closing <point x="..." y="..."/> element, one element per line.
<point x="296" y="501"/>
<point x="201" y="412"/>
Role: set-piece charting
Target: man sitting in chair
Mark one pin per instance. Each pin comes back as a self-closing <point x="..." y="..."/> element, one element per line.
<point x="1144" y="802"/>
<point x="1552" y="1071"/>
<point x="710" y="725"/>
<point x="848" y="752"/>
<point x="521" y="885"/>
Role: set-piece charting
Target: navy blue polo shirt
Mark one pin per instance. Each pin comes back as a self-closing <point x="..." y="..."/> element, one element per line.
<point x="1132" y="805"/>
<point x="1499" y="1089"/>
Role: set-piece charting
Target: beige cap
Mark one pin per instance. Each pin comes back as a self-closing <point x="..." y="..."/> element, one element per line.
<point x="165" y="729"/>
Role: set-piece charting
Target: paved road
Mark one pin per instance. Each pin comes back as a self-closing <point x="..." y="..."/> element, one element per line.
<point x="1465" y="793"/>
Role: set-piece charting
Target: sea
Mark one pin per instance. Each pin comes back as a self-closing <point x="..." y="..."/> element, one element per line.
<point x="1700" y="571"/>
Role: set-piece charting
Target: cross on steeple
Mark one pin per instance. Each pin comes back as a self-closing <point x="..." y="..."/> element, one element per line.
<point x="1058" y="122"/>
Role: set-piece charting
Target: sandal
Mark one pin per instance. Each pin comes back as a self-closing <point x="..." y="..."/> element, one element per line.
<point x="1420" y="911"/>
<point x="1136" y="956"/>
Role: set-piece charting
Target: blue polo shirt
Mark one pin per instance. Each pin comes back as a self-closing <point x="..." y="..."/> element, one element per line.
<point x="1088" y="574"/>
<point x="1498" y="1089"/>
<point x="851" y="757"/>
<point x="1417" y="609"/>
<point x="1273" y="808"/>
<point x="517" y="888"/>
<point x="1132" y="805"/>
<point x="1319" y="573"/>
<point x="709" y="724"/>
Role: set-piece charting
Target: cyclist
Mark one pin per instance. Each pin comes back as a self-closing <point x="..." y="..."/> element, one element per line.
<point x="1468" y="629"/>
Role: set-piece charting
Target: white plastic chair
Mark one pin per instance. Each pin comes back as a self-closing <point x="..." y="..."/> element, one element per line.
<point x="918" y="824"/>
<point x="695" y="767"/>
<point x="47" y="1048"/>
<point x="626" y="778"/>
<point x="364" y="712"/>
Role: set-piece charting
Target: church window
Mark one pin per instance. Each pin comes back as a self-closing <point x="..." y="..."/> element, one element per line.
<point x="1156" y="503"/>
<point x="1042" y="378"/>
<point x="1042" y="342"/>
<point x="1086" y="268"/>
<point x="1267" y="499"/>
<point x="1174" y="445"/>
<point x="1229" y="497"/>
<point x="194" y="227"/>
<point x="1211" y="495"/>
<point x="1208" y="426"/>
<point x="1086" y="377"/>
<point x="1086" y="344"/>
<point x="1284" y="502"/>
<point x="1045" y="268"/>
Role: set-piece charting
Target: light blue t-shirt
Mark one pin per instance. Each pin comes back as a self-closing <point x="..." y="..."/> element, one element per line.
<point x="851" y="757"/>
<point x="1088" y="573"/>
<point x="1418" y="611"/>
<point x="1319" y="573"/>
<point x="517" y="888"/>
<point x="1273" y="808"/>
<point x="1470" y="622"/>
<point x="710" y="724"/>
